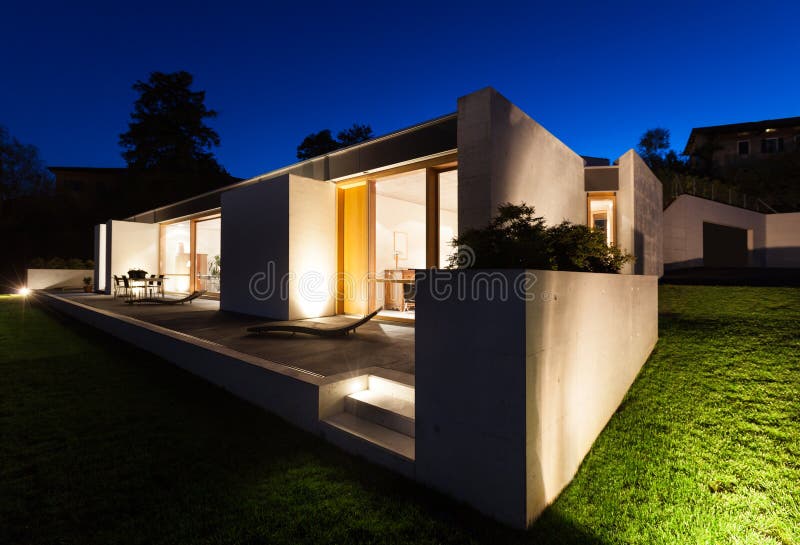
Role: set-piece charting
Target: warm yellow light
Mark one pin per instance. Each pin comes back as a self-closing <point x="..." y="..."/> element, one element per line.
<point x="24" y="291"/>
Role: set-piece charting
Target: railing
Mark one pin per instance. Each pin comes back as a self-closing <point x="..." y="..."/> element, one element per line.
<point x="713" y="190"/>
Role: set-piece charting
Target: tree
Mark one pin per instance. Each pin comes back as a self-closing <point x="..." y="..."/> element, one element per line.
<point x="355" y="134"/>
<point x="22" y="172"/>
<point x="320" y="143"/>
<point x="653" y="146"/>
<point x="167" y="130"/>
<point x="317" y="143"/>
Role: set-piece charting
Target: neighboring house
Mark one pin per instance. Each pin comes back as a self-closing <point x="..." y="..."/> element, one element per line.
<point x="369" y="214"/>
<point x="90" y="184"/>
<point x="730" y="145"/>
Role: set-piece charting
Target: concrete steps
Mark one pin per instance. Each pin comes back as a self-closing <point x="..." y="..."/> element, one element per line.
<point x="382" y="414"/>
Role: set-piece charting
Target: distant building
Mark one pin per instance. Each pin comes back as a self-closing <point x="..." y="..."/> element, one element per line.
<point x="729" y="145"/>
<point x="90" y="184"/>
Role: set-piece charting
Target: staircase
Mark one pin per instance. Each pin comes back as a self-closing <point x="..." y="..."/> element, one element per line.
<point x="382" y="414"/>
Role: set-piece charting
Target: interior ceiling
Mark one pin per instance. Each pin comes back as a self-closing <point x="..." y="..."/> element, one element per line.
<point x="410" y="187"/>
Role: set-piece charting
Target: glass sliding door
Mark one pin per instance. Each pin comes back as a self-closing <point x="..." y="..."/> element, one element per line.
<point x="208" y="259"/>
<point x="400" y="240"/>
<point x="448" y="215"/>
<point x="176" y="259"/>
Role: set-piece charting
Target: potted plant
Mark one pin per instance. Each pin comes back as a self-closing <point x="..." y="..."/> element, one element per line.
<point x="87" y="284"/>
<point x="214" y="269"/>
<point x="137" y="274"/>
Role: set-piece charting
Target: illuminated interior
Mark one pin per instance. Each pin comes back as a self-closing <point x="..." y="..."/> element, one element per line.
<point x="176" y="260"/>
<point x="601" y="215"/>
<point x="208" y="260"/>
<point x="178" y="255"/>
<point x="401" y="242"/>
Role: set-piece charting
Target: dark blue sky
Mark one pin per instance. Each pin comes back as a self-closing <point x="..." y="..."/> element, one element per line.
<point x="596" y="74"/>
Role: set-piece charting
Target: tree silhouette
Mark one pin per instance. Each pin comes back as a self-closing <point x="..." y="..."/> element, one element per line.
<point x="167" y="130"/>
<point x="320" y="143"/>
<point x="355" y="134"/>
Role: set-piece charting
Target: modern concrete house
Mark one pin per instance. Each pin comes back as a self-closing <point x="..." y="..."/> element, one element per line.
<point x="507" y="376"/>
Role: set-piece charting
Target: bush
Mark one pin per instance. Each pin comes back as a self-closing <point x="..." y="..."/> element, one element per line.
<point x="56" y="263"/>
<point x="517" y="238"/>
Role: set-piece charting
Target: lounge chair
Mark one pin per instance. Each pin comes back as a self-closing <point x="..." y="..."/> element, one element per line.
<point x="164" y="301"/>
<point x="314" y="328"/>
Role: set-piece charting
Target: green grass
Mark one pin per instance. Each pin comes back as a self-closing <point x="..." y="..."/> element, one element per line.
<point x="102" y="443"/>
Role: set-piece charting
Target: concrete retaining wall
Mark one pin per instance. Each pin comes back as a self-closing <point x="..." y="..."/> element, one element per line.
<point x="683" y="230"/>
<point x="783" y="240"/>
<point x="511" y="393"/>
<point x="49" y="279"/>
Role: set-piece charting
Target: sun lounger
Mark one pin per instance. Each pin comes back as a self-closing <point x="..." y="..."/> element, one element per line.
<point x="166" y="301"/>
<point x="314" y="328"/>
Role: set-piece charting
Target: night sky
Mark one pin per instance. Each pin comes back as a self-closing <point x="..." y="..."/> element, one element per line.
<point x="596" y="74"/>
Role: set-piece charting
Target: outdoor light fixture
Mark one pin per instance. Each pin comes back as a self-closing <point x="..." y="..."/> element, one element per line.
<point x="24" y="291"/>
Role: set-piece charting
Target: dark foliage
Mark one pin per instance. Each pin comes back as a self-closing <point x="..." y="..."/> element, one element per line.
<point x="517" y="238"/>
<point x="322" y="142"/>
<point x="167" y="129"/>
<point x="22" y="172"/>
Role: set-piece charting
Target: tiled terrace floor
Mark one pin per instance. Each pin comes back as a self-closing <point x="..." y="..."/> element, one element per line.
<point x="376" y="344"/>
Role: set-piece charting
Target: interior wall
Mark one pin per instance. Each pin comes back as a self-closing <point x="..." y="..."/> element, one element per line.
<point x="505" y="156"/>
<point x="395" y="215"/>
<point x="133" y="246"/>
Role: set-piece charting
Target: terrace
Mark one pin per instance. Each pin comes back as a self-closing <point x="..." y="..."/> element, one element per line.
<point x="377" y="344"/>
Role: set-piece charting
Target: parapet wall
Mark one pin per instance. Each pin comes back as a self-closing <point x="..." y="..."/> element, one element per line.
<point x="517" y="373"/>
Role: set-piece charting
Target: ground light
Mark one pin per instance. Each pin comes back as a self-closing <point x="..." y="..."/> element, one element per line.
<point x="24" y="291"/>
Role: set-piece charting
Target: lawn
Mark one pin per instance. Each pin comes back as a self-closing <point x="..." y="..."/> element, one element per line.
<point x="103" y="443"/>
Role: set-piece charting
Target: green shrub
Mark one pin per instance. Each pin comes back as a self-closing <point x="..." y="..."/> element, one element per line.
<point x="75" y="263"/>
<point x="37" y="263"/>
<point x="56" y="263"/>
<point x="517" y="238"/>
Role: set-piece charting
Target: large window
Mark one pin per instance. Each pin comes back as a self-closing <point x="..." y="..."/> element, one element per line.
<point x="176" y="259"/>
<point x="448" y="215"/>
<point x="191" y="256"/>
<point x="601" y="215"/>
<point x="208" y="259"/>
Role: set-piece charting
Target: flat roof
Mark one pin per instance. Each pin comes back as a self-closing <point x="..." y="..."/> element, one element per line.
<point x="439" y="135"/>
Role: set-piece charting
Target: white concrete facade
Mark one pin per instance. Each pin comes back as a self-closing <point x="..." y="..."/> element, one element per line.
<point x="511" y="393"/>
<point x="130" y="245"/>
<point x="53" y="279"/>
<point x="773" y="240"/>
<point x="279" y="248"/>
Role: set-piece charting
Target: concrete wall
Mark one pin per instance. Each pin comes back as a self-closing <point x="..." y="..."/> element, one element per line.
<point x="255" y="248"/>
<point x="101" y="281"/>
<point x="783" y="240"/>
<point x="639" y="215"/>
<point x="48" y="279"/>
<point x="648" y="213"/>
<point x="279" y="248"/>
<point x="511" y="391"/>
<point x="312" y="248"/>
<point x="505" y="156"/>
<point x="683" y="230"/>
<point x="131" y="245"/>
